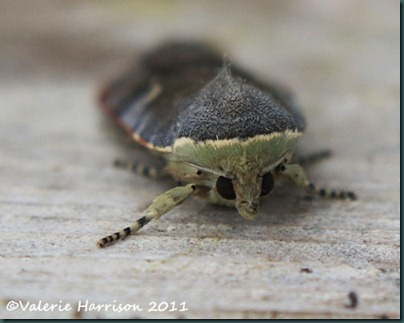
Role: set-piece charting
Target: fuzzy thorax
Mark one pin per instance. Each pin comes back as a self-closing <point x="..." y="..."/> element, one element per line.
<point x="227" y="155"/>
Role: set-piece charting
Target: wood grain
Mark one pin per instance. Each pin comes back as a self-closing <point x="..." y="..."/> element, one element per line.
<point x="300" y="259"/>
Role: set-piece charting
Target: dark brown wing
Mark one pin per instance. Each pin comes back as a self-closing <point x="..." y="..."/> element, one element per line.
<point x="149" y="98"/>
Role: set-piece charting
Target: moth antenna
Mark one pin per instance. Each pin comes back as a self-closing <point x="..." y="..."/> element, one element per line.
<point x="313" y="157"/>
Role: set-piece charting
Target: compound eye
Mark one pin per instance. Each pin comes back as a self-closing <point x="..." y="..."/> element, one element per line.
<point x="268" y="182"/>
<point x="224" y="187"/>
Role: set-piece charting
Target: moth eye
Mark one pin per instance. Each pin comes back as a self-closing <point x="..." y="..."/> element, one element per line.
<point x="224" y="187"/>
<point x="268" y="182"/>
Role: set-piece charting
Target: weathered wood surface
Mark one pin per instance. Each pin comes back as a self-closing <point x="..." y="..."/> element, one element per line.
<point x="59" y="192"/>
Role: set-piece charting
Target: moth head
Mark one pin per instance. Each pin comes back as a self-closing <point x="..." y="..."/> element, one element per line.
<point x="245" y="189"/>
<point x="242" y="171"/>
<point x="241" y="181"/>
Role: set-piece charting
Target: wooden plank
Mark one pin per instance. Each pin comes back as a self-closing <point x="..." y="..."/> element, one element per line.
<point x="59" y="192"/>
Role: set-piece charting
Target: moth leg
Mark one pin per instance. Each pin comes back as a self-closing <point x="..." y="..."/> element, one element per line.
<point x="160" y="205"/>
<point x="139" y="168"/>
<point x="296" y="173"/>
<point x="313" y="157"/>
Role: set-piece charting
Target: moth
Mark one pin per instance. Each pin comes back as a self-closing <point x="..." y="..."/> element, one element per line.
<point x="225" y="135"/>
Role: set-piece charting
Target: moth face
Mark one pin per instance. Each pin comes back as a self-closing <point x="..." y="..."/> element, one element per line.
<point x="246" y="191"/>
<point x="238" y="172"/>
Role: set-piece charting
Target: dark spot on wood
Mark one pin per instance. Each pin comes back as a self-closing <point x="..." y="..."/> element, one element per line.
<point x="353" y="300"/>
<point x="306" y="270"/>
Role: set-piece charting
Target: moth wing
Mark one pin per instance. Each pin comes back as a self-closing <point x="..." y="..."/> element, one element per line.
<point x="147" y="99"/>
<point x="279" y="92"/>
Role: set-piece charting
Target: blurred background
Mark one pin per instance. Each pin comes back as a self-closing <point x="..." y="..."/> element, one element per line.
<point x="326" y="51"/>
<point x="286" y="38"/>
<point x="60" y="194"/>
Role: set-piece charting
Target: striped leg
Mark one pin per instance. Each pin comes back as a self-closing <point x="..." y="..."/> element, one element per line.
<point x="160" y="205"/>
<point x="334" y="194"/>
<point x="140" y="168"/>
<point x="296" y="174"/>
